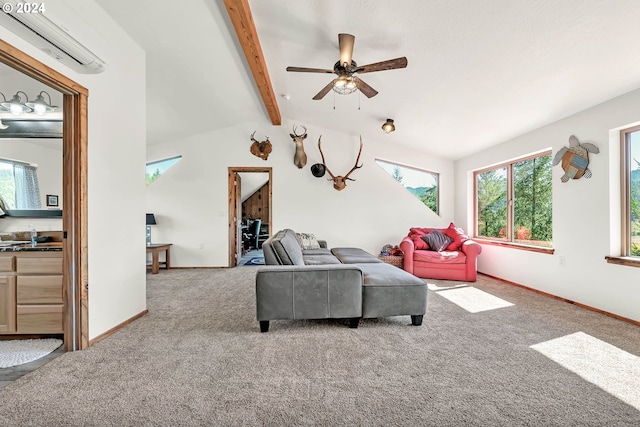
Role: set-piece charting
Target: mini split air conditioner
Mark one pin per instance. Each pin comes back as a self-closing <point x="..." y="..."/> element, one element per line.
<point x="41" y="32"/>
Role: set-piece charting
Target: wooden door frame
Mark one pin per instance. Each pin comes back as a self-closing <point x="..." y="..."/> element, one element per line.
<point x="74" y="194"/>
<point x="233" y="213"/>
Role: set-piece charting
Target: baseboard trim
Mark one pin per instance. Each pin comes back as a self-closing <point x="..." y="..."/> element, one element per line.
<point x="196" y="268"/>
<point x="546" y="294"/>
<point x="117" y="327"/>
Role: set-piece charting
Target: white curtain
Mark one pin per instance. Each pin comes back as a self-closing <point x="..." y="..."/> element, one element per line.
<point x="27" y="188"/>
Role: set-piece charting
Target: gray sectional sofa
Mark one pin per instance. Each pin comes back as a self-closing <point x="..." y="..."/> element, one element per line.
<point x="338" y="283"/>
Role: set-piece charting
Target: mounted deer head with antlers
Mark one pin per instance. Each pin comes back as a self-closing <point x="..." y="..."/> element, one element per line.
<point x="339" y="182"/>
<point x="300" y="157"/>
<point x="260" y="148"/>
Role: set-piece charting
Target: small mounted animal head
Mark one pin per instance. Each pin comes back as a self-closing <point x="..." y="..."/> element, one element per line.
<point x="260" y="148"/>
<point x="300" y="157"/>
<point x="340" y="182"/>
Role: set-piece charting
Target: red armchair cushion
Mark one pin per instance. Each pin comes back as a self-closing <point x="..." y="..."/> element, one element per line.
<point x="457" y="235"/>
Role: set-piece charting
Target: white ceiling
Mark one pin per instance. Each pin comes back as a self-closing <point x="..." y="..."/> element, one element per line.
<point x="480" y="72"/>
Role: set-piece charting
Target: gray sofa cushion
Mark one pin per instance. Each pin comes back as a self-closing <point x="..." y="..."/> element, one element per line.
<point x="354" y="256"/>
<point x="390" y="291"/>
<point x="320" y="259"/>
<point x="283" y="248"/>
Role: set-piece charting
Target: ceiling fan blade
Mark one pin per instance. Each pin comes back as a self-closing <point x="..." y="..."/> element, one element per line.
<point x="309" y="70"/>
<point x="391" y="64"/>
<point x="368" y="91"/>
<point x="345" y="41"/>
<point x="325" y="90"/>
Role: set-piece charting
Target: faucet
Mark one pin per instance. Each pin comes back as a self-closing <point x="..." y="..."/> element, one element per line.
<point x="34" y="233"/>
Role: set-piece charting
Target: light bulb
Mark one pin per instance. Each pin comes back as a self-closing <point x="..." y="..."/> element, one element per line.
<point x="40" y="109"/>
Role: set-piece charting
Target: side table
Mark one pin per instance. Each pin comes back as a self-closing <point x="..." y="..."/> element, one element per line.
<point x="155" y="249"/>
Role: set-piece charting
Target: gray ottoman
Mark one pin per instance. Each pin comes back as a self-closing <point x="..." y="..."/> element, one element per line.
<point x="389" y="291"/>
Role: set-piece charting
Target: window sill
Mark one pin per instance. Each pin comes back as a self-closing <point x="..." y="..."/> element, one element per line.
<point x="623" y="260"/>
<point x="511" y="245"/>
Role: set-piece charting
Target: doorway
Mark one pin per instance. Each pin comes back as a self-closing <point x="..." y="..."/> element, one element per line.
<point x="250" y="187"/>
<point x="74" y="193"/>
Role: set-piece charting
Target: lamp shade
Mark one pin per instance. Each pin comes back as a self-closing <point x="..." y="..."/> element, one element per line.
<point x="151" y="219"/>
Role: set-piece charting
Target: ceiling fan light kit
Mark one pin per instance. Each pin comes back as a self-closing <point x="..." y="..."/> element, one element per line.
<point x="344" y="85"/>
<point x="346" y="69"/>
<point x="388" y="126"/>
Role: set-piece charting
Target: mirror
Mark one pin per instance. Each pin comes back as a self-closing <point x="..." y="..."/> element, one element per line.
<point x="30" y="149"/>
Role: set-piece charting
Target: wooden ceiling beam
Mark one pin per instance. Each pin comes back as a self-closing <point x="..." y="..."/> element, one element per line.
<point x="242" y="20"/>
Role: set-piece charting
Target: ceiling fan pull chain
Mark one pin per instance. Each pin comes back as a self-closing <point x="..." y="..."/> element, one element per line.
<point x="334" y="100"/>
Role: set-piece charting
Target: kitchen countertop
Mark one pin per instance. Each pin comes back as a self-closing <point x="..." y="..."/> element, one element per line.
<point x="20" y="247"/>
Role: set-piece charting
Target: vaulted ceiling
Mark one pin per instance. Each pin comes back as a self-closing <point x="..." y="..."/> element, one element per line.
<point x="479" y="72"/>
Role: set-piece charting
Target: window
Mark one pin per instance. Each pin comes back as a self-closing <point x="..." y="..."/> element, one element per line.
<point x="631" y="192"/>
<point x="421" y="183"/>
<point x="157" y="168"/>
<point x="513" y="201"/>
<point x="19" y="187"/>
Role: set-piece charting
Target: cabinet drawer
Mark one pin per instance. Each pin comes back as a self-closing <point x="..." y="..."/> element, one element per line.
<point x="39" y="319"/>
<point x="39" y="290"/>
<point x="8" y="263"/>
<point x="39" y="265"/>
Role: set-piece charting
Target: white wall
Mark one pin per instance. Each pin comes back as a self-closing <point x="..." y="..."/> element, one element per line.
<point x="116" y="152"/>
<point x="583" y="210"/>
<point x="191" y="199"/>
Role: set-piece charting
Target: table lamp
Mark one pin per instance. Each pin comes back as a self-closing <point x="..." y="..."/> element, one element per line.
<point x="151" y="220"/>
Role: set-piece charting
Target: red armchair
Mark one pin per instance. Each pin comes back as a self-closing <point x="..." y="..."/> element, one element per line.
<point x="457" y="262"/>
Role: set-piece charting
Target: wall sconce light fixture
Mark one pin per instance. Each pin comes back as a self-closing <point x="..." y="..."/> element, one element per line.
<point x="15" y="105"/>
<point x="40" y="106"/>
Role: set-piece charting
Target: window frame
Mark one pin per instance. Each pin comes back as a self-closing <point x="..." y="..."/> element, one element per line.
<point x="155" y="162"/>
<point x="508" y="241"/>
<point x="436" y="176"/>
<point x="625" y="181"/>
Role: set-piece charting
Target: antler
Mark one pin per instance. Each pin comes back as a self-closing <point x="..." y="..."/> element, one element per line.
<point x="356" y="165"/>
<point x="322" y="155"/>
<point x="252" y="138"/>
<point x="296" y="134"/>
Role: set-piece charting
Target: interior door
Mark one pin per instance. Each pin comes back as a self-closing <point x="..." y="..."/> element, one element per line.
<point x="238" y="218"/>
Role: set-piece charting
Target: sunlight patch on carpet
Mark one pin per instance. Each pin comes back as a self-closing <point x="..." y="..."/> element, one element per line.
<point x="435" y="288"/>
<point x="18" y="352"/>
<point x="608" y="367"/>
<point x="473" y="300"/>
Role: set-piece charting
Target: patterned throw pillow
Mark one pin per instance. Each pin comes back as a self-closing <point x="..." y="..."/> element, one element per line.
<point x="437" y="241"/>
<point x="308" y="241"/>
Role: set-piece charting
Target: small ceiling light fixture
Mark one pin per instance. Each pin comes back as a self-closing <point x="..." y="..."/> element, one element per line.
<point x="16" y="106"/>
<point x="345" y="84"/>
<point x="40" y="106"/>
<point x="388" y="126"/>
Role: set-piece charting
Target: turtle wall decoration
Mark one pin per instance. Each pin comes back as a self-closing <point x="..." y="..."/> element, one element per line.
<point x="575" y="159"/>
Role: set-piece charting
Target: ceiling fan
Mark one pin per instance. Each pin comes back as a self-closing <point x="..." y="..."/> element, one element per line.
<point x="346" y="68"/>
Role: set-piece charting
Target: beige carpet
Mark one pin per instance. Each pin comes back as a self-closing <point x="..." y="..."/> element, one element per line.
<point x="199" y="359"/>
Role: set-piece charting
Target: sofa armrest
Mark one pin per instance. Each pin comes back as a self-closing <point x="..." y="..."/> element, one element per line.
<point x="407" y="248"/>
<point x="308" y="292"/>
<point x="471" y="248"/>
